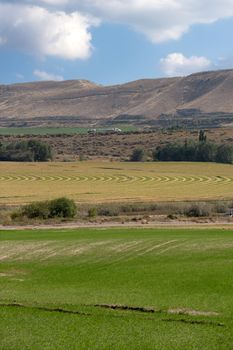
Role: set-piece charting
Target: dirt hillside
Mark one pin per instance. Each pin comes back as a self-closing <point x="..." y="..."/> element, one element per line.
<point x="198" y="94"/>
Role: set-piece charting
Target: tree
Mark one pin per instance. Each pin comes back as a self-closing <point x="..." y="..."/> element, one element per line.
<point x="202" y="136"/>
<point x="206" y="152"/>
<point x="41" y="151"/>
<point x="138" y="155"/>
<point x="224" y="154"/>
<point x="26" y="151"/>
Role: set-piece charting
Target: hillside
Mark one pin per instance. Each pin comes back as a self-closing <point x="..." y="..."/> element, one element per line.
<point x="203" y="94"/>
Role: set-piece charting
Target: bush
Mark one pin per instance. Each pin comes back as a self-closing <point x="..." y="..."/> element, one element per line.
<point x="36" y="210"/>
<point x="92" y="212"/>
<point x="62" y="207"/>
<point x="197" y="210"/>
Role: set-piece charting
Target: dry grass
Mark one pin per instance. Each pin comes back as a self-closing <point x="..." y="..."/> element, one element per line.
<point x="98" y="182"/>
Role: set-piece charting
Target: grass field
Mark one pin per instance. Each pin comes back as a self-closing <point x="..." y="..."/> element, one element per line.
<point x="12" y="131"/>
<point x="51" y="281"/>
<point x="95" y="182"/>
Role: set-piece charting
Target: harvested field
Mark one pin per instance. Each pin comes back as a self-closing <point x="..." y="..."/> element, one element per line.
<point x="98" y="182"/>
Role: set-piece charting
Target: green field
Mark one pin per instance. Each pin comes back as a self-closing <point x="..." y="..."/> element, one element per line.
<point x="185" y="276"/>
<point x="98" y="182"/>
<point x="14" y="131"/>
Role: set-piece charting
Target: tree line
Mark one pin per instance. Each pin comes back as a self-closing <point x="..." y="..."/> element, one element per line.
<point x="25" y="151"/>
<point x="190" y="151"/>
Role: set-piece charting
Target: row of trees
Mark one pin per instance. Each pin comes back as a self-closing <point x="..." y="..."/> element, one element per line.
<point x="195" y="152"/>
<point x="189" y="151"/>
<point x="26" y="151"/>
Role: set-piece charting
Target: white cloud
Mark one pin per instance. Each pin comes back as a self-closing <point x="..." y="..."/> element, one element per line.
<point x="39" y="31"/>
<point x="42" y="75"/>
<point x="176" y="64"/>
<point x="159" y="20"/>
<point x="55" y="2"/>
<point x="62" y="27"/>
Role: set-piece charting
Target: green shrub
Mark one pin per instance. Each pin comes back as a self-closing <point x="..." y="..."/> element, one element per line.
<point x="62" y="207"/>
<point x="92" y="212"/>
<point x="36" y="210"/>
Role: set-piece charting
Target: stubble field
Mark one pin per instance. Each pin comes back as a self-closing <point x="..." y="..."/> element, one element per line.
<point x="96" y="182"/>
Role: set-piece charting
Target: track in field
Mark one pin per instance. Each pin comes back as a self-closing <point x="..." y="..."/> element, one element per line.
<point x="119" y="179"/>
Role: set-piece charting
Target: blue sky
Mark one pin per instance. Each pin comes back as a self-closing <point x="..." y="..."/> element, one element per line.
<point x="111" y="42"/>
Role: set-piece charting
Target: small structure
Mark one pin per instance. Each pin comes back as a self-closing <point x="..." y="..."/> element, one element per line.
<point x="104" y="131"/>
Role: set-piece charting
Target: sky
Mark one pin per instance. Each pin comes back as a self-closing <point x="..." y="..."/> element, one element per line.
<point x="113" y="41"/>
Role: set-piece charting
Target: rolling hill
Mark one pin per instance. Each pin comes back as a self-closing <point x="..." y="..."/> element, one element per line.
<point x="79" y="101"/>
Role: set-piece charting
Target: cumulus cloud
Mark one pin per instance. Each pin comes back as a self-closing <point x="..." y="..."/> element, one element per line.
<point x="176" y="64"/>
<point x="42" y="75"/>
<point x="62" y="27"/>
<point x="159" y="20"/>
<point x="42" y="32"/>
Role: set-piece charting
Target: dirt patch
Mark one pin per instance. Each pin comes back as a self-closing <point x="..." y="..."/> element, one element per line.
<point x="192" y="312"/>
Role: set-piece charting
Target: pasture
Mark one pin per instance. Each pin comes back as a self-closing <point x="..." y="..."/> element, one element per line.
<point x="65" y="289"/>
<point x="96" y="182"/>
<point x="66" y="130"/>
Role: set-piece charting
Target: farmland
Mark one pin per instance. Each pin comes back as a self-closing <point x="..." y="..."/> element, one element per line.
<point x="177" y="285"/>
<point x="40" y="131"/>
<point x="98" y="182"/>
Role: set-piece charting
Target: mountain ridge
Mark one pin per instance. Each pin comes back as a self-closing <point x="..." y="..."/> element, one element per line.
<point x="198" y="94"/>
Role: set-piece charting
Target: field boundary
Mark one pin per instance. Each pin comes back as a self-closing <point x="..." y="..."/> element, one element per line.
<point x="159" y="225"/>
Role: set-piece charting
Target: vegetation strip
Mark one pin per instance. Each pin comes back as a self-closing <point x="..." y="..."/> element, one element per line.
<point x="42" y="308"/>
<point x="201" y="322"/>
<point x="125" y="307"/>
<point x="151" y="310"/>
